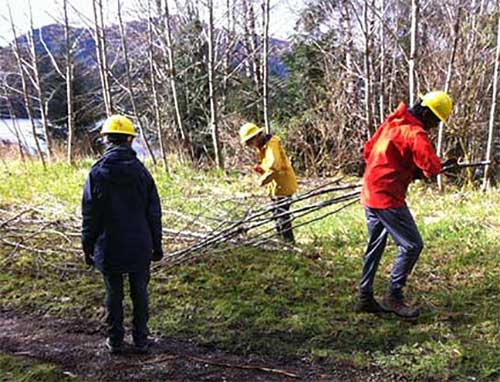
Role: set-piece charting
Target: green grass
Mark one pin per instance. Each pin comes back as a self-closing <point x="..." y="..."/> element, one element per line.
<point x="294" y="305"/>
<point x="16" y="369"/>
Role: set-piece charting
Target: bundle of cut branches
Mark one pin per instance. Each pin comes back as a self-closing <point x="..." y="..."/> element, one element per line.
<point x="235" y="221"/>
<point x="256" y="226"/>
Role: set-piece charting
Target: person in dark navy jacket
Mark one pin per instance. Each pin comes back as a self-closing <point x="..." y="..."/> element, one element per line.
<point x="121" y="229"/>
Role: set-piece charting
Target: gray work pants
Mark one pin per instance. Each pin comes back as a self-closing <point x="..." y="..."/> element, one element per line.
<point x="399" y="223"/>
<point x="281" y="214"/>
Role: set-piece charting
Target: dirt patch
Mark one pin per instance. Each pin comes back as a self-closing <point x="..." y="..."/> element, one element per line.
<point x="78" y="348"/>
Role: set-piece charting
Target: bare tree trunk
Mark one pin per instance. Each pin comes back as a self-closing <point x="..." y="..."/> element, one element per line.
<point x="265" y="66"/>
<point x="249" y="70"/>
<point x="393" y="70"/>
<point x="130" y="85"/>
<point x="211" y="75"/>
<point x="382" y="63"/>
<point x="226" y="64"/>
<point x="104" y="56"/>
<point x="39" y="86"/>
<point x="16" y="129"/>
<point x="367" y="71"/>
<point x="69" y="85"/>
<point x="348" y="50"/>
<point x="493" y="115"/>
<point x="172" y="73"/>
<point x="413" y="51"/>
<point x="100" y="57"/>
<point x="26" y="97"/>
<point x="447" y="84"/>
<point x="156" y="102"/>
<point x="251" y="38"/>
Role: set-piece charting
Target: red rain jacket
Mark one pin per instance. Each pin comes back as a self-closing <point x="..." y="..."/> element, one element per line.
<point x="392" y="156"/>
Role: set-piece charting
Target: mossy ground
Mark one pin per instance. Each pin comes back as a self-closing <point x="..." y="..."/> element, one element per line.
<point x="17" y="369"/>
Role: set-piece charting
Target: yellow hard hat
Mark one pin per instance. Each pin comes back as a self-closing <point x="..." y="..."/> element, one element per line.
<point x="248" y="131"/>
<point x="439" y="102"/>
<point x="118" y="124"/>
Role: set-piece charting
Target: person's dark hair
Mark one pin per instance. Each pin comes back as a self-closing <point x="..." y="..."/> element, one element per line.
<point x="117" y="139"/>
<point x="424" y="114"/>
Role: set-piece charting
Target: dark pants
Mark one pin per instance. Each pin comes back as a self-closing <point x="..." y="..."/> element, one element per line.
<point x="283" y="219"/>
<point x="114" y="306"/>
<point x="399" y="223"/>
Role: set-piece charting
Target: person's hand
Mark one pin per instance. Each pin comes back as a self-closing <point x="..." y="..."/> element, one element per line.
<point x="89" y="260"/>
<point x="449" y="163"/>
<point x="258" y="169"/>
<point x="418" y="174"/>
<point x="157" y="255"/>
<point x="265" y="179"/>
<point x="450" y="167"/>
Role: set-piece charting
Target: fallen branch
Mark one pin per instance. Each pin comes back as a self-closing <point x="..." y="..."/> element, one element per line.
<point x="222" y="364"/>
<point x="234" y="231"/>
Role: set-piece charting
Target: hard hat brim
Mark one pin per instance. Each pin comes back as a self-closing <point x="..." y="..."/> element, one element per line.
<point x="248" y="137"/>
<point x="103" y="132"/>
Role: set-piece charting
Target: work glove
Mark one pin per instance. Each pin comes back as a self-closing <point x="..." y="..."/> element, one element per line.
<point x="89" y="260"/>
<point x="157" y="255"/>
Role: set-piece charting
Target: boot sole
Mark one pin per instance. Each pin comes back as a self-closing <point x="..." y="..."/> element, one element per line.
<point x="377" y="312"/>
<point x="406" y="318"/>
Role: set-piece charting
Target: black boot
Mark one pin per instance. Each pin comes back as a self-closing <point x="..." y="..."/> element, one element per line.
<point x="142" y="347"/>
<point x="114" y="347"/>
<point x="366" y="303"/>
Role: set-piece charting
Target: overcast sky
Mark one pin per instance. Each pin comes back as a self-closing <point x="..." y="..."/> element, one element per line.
<point x="282" y="20"/>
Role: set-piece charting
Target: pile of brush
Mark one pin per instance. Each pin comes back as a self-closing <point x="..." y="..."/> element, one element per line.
<point x="44" y="232"/>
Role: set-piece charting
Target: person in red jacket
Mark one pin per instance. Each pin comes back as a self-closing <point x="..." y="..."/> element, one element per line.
<point x="399" y="152"/>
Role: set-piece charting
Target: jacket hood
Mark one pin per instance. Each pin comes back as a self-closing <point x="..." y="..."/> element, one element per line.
<point x="402" y="112"/>
<point x="118" y="165"/>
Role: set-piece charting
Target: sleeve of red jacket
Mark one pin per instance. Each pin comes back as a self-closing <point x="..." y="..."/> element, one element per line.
<point x="424" y="156"/>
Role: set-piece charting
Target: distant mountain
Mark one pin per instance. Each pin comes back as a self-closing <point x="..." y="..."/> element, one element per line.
<point x="52" y="36"/>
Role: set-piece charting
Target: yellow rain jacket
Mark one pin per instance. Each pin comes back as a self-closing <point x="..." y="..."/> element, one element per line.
<point x="277" y="171"/>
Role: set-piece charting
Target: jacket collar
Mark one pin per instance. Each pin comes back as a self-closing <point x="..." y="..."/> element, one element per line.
<point x="119" y="150"/>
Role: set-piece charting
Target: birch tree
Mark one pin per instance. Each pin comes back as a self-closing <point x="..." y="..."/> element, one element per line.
<point x="493" y="115"/>
<point x="172" y="73"/>
<point x="102" y="61"/>
<point x="38" y="84"/>
<point x="367" y="70"/>
<point x="26" y="97"/>
<point x="382" y="63"/>
<point x="265" y="65"/>
<point x="251" y="43"/>
<point x="69" y="84"/>
<point x="156" y="102"/>
<point x="130" y="84"/>
<point x="413" y="51"/>
<point x="449" y="75"/>
<point x="211" y="77"/>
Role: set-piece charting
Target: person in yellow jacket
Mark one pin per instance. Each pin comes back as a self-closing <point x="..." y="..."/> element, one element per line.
<point x="276" y="172"/>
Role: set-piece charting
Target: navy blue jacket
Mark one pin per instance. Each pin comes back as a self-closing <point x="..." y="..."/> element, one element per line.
<point x="121" y="213"/>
